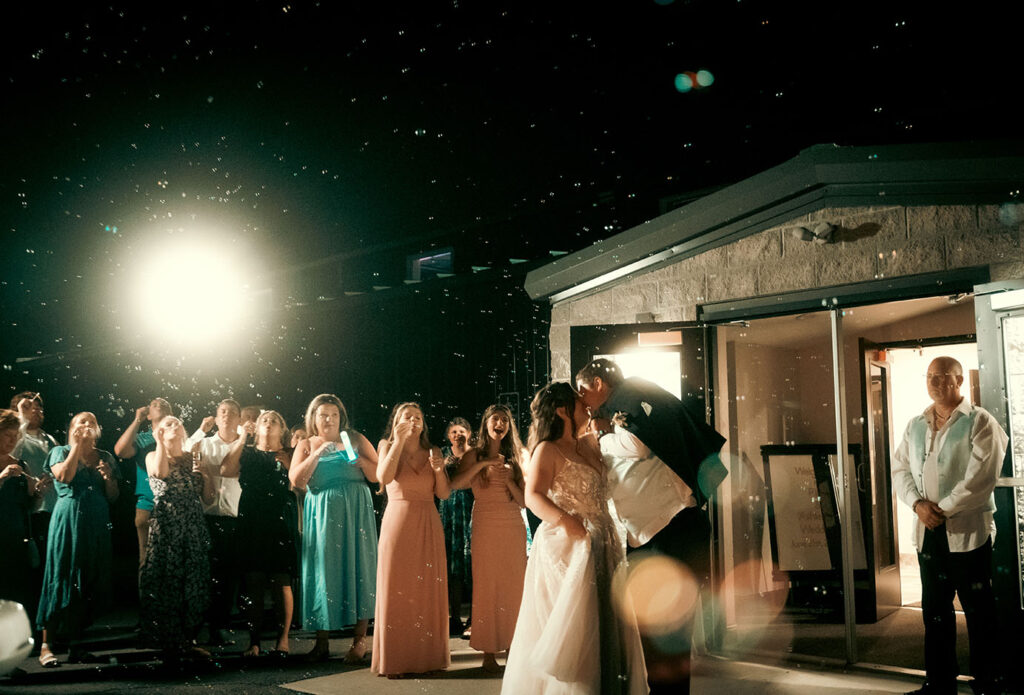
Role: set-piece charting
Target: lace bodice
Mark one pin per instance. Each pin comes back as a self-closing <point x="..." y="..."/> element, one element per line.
<point x="581" y="491"/>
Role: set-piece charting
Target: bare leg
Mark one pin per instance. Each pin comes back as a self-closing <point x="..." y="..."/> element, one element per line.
<point x="255" y="583"/>
<point x="322" y="649"/>
<point x="358" y="650"/>
<point x="142" y="529"/>
<point x="47" y="659"/>
<point x="284" y="606"/>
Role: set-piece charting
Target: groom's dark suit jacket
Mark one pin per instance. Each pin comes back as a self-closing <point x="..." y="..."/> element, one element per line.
<point x="686" y="444"/>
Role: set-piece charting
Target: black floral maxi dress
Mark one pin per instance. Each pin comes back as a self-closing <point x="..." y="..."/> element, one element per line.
<point x="174" y="581"/>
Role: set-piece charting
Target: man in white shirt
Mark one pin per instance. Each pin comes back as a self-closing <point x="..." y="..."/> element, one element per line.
<point x="647" y="494"/>
<point x="221" y="515"/>
<point x="945" y="470"/>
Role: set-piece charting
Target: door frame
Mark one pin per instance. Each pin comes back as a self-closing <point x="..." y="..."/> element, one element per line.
<point x="990" y="313"/>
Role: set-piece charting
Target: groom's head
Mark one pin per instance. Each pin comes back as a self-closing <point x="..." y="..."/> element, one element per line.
<point x="597" y="380"/>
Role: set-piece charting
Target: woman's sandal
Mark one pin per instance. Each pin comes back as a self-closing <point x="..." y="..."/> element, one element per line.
<point x="252" y="652"/>
<point x="48" y="660"/>
<point x="278" y="654"/>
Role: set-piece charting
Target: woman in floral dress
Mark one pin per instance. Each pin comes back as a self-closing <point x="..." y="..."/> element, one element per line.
<point x="174" y="580"/>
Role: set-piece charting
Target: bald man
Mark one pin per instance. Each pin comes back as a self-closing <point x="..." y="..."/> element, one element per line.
<point x="945" y="470"/>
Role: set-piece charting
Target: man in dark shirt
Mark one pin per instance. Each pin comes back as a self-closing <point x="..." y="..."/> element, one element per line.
<point x="690" y="448"/>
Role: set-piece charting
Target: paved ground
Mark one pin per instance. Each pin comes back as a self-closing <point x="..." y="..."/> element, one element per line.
<point x="136" y="671"/>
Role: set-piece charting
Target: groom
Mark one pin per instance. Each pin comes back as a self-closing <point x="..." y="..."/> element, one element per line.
<point x="689" y="447"/>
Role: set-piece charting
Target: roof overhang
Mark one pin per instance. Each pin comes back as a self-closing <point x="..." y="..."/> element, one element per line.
<point x="819" y="177"/>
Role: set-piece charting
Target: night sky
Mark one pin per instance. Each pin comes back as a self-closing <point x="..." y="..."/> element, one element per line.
<point x="320" y="143"/>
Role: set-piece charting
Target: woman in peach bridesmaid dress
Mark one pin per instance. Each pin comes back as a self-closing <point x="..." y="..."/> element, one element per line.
<point x="411" y="621"/>
<point x="494" y="471"/>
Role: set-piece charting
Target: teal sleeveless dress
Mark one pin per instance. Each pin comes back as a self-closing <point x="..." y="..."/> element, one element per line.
<point x="339" y="546"/>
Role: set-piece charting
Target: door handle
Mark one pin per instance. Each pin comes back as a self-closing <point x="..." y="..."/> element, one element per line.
<point x="861" y="485"/>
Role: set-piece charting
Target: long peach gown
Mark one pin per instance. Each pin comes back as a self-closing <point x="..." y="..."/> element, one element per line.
<point x="410" y="633"/>
<point x="499" y="563"/>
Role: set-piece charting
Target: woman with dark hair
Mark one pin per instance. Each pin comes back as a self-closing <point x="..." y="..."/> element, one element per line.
<point x="76" y="581"/>
<point x="569" y="638"/>
<point x="339" y="540"/>
<point x="411" y="621"/>
<point x="175" y="576"/>
<point x="267" y="524"/>
<point x="494" y="471"/>
<point x="457" y="520"/>
<point x="17" y="496"/>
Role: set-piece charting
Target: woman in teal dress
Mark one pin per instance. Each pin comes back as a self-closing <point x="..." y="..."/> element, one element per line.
<point x="76" y="582"/>
<point x="457" y="520"/>
<point x="339" y="539"/>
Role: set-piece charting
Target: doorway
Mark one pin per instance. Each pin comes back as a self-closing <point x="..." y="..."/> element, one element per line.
<point x="908" y="366"/>
<point x="773" y="386"/>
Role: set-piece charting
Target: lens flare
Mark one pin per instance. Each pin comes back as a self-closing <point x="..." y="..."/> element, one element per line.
<point x="685" y="82"/>
<point x="191" y="292"/>
<point x="661" y="591"/>
<point x="705" y="78"/>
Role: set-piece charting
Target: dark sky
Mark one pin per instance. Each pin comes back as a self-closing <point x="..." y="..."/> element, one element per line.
<point x="325" y="140"/>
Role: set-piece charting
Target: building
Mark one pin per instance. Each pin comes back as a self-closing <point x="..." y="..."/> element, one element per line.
<point x="798" y="309"/>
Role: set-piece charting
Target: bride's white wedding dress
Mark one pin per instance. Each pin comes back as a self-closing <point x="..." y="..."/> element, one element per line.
<point x="569" y="638"/>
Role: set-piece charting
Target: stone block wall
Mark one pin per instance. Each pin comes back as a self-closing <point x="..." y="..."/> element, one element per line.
<point x="874" y="242"/>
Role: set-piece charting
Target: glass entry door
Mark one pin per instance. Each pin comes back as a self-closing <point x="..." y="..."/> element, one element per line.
<point x="1000" y="318"/>
<point x="875" y="475"/>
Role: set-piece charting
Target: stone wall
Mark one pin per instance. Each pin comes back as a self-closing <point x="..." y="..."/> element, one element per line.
<point x="874" y="242"/>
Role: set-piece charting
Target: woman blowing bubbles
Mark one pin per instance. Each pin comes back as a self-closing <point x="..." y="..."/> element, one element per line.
<point x="267" y="524"/>
<point x="76" y="585"/>
<point x="173" y="582"/>
<point x="411" y="622"/>
<point x="339" y="539"/>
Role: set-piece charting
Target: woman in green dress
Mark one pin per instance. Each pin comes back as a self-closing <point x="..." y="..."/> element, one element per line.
<point x="339" y="533"/>
<point x="76" y="581"/>
<point x="456" y="518"/>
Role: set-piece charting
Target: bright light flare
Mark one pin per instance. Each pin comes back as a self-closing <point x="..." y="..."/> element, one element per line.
<point x="193" y="293"/>
<point x="662" y="592"/>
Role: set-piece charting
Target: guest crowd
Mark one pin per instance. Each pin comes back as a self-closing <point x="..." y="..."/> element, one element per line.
<point x="244" y="505"/>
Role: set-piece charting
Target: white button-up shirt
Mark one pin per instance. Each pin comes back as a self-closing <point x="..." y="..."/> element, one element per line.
<point x="227" y="490"/>
<point x="967" y="502"/>
<point x="646" y="493"/>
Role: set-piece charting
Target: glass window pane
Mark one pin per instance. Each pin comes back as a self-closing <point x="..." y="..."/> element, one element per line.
<point x="781" y="588"/>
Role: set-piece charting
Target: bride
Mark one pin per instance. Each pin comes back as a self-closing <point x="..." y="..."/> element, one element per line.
<point x="569" y="638"/>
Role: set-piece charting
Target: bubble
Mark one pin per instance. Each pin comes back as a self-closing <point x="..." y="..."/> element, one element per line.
<point x="684" y="82"/>
<point x="705" y="78"/>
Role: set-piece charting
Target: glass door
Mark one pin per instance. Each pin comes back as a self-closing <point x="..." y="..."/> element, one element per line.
<point x="1000" y="318"/>
<point x="874" y="478"/>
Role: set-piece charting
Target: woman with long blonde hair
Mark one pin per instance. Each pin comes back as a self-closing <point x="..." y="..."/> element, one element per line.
<point x="175" y="576"/>
<point x="76" y="582"/>
<point x="267" y="524"/>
